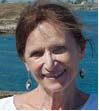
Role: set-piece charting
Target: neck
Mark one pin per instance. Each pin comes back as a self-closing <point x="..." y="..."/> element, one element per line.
<point x="58" y="100"/>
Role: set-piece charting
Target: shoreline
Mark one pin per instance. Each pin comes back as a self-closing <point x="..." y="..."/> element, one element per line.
<point x="4" y="94"/>
<point x="8" y="25"/>
<point x="9" y="14"/>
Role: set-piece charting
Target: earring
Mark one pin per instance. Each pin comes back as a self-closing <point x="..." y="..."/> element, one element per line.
<point x="28" y="82"/>
<point x="81" y="73"/>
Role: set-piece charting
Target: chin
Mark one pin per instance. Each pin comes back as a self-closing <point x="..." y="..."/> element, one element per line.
<point x="54" y="88"/>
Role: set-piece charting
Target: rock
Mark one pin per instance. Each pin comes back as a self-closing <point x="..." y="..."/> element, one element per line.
<point x="8" y="25"/>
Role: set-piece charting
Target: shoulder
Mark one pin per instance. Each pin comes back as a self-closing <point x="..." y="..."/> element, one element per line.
<point x="92" y="103"/>
<point x="7" y="104"/>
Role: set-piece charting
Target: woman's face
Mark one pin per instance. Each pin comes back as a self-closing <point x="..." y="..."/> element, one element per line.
<point x="52" y="56"/>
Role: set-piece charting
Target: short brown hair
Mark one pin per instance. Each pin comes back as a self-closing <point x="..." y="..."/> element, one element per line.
<point x="34" y="14"/>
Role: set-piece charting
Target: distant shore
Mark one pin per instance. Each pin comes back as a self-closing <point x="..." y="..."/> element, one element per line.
<point x="9" y="14"/>
<point x="7" y="26"/>
<point x="4" y="94"/>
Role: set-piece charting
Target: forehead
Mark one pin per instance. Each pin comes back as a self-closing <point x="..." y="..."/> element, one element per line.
<point x="48" y="34"/>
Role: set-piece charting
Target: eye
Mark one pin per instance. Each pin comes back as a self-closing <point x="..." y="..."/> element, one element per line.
<point x="59" y="49"/>
<point x="36" y="54"/>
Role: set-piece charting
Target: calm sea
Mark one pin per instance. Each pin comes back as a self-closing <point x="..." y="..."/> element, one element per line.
<point x="13" y="74"/>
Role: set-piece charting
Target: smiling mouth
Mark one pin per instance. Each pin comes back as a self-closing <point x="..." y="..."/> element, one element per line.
<point x="54" y="76"/>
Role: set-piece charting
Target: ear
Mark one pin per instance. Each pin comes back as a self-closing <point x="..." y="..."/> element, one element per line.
<point x="27" y="67"/>
<point x="82" y="51"/>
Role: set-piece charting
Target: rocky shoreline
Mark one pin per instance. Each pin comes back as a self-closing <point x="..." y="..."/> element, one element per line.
<point x="7" y="26"/>
<point x="9" y="15"/>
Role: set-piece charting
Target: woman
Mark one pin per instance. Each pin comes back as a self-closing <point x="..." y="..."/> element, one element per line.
<point x="50" y="43"/>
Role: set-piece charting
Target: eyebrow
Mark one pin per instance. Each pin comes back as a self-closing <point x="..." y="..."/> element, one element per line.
<point x="59" y="44"/>
<point x="35" y="51"/>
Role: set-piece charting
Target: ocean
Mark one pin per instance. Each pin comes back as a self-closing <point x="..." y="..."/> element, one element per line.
<point x="13" y="74"/>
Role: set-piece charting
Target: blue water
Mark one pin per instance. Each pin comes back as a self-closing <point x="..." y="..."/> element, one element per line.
<point x="13" y="74"/>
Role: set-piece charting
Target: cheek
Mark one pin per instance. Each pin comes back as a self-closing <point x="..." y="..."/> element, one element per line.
<point x="73" y="65"/>
<point x="64" y="58"/>
<point x="70" y="61"/>
<point x="33" y="66"/>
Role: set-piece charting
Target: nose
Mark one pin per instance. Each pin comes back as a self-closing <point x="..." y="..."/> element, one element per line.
<point x="49" y="62"/>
